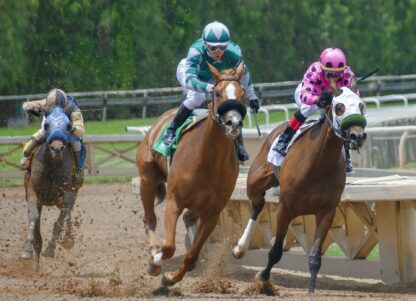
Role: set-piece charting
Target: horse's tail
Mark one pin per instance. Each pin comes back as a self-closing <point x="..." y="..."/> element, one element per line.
<point x="160" y="193"/>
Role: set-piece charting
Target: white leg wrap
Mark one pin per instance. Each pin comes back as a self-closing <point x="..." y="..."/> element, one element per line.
<point x="157" y="259"/>
<point x="191" y="233"/>
<point x="244" y="241"/>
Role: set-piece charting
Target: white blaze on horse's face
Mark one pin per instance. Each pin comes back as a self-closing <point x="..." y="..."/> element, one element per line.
<point x="233" y="123"/>
<point x="230" y="91"/>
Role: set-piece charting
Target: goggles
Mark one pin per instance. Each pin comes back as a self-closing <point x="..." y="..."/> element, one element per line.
<point x="333" y="74"/>
<point x="216" y="47"/>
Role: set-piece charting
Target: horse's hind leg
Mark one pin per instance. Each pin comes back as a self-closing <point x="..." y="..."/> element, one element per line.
<point x="148" y="192"/>
<point x="276" y="251"/>
<point x="323" y="223"/>
<point x="258" y="181"/>
<point x="205" y="228"/>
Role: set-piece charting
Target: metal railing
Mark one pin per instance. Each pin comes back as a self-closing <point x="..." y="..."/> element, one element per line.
<point x="280" y="92"/>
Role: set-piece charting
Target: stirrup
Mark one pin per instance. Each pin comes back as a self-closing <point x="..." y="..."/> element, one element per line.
<point x="281" y="149"/>
<point x="168" y="139"/>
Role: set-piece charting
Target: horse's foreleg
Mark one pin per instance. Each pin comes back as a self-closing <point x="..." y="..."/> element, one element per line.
<point x="37" y="242"/>
<point x="276" y="251"/>
<point x="56" y="234"/>
<point x="68" y="239"/>
<point x="33" y="217"/>
<point x="205" y="228"/>
<point x="257" y="184"/>
<point x="190" y="219"/>
<point x="323" y="223"/>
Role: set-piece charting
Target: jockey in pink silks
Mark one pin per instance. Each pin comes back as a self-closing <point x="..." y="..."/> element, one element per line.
<point x="314" y="92"/>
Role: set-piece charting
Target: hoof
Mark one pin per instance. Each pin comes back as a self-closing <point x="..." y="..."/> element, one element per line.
<point x="26" y="254"/>
<point x="264" y="286"/>
<point x="49" y="252"/>
<point x="68" y="242"/>
<point x="237" y="253"/>
<point x="167" y="280"/>
<point x="153" y="269"/>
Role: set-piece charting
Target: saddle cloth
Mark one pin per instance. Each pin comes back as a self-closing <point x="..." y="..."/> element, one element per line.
<point x="197" y="116"/>
<point x="276" y="158"/>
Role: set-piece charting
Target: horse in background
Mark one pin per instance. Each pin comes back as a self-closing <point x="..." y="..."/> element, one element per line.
<point x="312" y="178"/>
<point x="201" y="177"/>
<point x="49" y="182"/>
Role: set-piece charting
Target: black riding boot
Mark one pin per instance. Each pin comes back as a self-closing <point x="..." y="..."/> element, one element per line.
<point x="348" y="163"/>
<point x="181" y="115"/>
<point x="27" y="153"/>
<point x="79" y="170"/>
<point x="241" y="151"/>
<point x="284" y="140"/>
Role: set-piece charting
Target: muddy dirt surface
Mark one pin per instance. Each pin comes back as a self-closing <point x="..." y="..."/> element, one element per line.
<point x="109" y="260"/>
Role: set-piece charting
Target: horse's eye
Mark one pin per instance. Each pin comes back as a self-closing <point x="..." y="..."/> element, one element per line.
<point x="362" y="108"/>
<point x="228" y="123"/>
<point x="217" y="94"/>
<point x="339" y="109"/>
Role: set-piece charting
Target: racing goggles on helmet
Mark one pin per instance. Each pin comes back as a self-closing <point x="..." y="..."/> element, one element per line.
<point x="214" y="48"/>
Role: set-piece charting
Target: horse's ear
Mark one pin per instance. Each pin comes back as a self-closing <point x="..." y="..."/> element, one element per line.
<point x="240" y="70"/>
<point x="333" y="86"/>
<point x="354" y="85"/>
<point x="214" y="71"/>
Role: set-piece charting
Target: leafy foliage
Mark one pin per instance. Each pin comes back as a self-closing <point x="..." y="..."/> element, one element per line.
<point x="81" y="45"/>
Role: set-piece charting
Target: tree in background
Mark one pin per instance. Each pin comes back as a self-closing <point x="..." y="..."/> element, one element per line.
<point x="82" y="45"/>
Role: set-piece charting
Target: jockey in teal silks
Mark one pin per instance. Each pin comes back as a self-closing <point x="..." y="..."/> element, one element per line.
<point x="216" y="48"/>
<point x="314" y="93"/>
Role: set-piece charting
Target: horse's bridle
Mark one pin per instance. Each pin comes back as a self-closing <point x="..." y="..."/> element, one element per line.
<point x="214" y="115"/>
<point x="338" y="132"/>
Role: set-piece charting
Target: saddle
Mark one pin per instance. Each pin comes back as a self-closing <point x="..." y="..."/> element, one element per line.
<point x="196" y="117"/>
<point x="274" y="157"/>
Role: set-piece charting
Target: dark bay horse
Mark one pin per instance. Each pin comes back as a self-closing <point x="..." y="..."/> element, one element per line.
<point x="201" y="177"/>
<point x="49" y="182"/>
<point x="312" y="178"/>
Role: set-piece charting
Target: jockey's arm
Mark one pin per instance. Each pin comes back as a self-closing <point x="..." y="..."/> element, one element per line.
<point x="352" y="81"/>
<point x="77" y="123"/>
<point x="247" y="84"/>
<point x="193" y="62"/>
<point x="36" y="107"/>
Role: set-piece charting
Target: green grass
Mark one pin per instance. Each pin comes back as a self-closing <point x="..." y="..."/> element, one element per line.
<point x="334" y="250"/>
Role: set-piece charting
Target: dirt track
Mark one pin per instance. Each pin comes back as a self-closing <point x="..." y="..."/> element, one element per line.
<point x="110" y="256"/>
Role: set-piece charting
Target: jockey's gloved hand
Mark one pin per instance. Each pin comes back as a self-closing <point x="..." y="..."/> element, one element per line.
<point x="324" y="100"/>
<point x="35" y="111"/>
<point x="210" y="88"/>
<point x="254" y="105"/>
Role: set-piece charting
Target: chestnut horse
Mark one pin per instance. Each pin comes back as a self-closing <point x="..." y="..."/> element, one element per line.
<point x="201" y="177"/>
<point x="312" y="178"/>
<point x="49" y="182"/>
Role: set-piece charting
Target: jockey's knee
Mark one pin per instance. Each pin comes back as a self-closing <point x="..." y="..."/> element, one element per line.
<point x="76" y="145"/>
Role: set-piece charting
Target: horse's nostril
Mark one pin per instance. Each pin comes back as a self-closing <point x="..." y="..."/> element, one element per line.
<point x="364" y="137"/>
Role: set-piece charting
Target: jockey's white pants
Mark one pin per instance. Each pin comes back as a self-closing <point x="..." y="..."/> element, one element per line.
<point x="193" y="99"/>
<point x="306" y="110"/>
